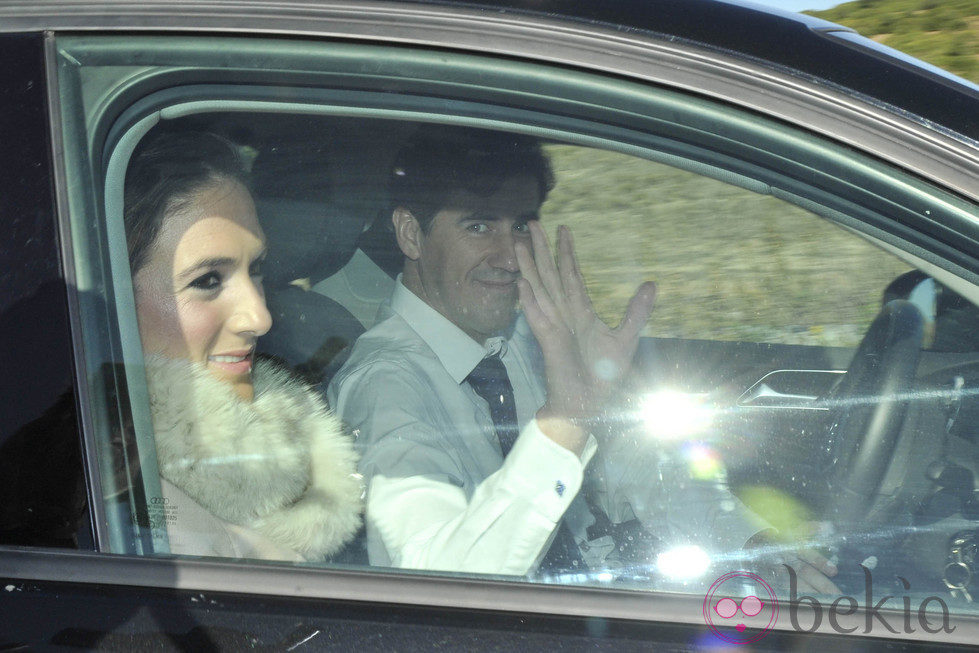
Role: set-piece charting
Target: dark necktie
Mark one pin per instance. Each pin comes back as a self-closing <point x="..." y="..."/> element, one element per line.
<point x="490" y="381"/>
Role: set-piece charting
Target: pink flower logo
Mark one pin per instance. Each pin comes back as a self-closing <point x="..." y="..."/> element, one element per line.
<point x="752" y="617"/>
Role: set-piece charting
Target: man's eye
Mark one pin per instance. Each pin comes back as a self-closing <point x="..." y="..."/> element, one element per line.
<point x="478" y="228"/>
<point x="255" y="270"/>
<point x="209" y="281"/>
<point x="521" y="227"/>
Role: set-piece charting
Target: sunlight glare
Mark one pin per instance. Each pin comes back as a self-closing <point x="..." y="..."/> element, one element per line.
<point x="685" y="562"/>
<point x="671" y="415"/>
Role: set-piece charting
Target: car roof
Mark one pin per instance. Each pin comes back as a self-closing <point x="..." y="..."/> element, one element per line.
<point x="793" y="43"/>
<point x="796" y="42"/>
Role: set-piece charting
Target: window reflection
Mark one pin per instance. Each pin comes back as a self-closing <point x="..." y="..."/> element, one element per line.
<point x="719" y="440"/>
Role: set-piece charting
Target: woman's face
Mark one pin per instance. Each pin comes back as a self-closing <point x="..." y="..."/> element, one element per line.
<point x="199" y="296"/>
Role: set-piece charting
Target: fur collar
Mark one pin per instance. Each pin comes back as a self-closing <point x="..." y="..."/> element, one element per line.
<point x="280" y="464"/>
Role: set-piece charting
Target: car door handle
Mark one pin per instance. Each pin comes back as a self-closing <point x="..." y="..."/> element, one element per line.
<point x="799" y="389"/>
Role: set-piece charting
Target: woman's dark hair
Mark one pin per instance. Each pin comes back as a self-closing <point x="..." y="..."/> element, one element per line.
<point x="439" y="160"/>
<point x="166" y="171"/>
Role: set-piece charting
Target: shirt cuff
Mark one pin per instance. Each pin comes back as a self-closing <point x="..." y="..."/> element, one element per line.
<point x="539" y="467"/>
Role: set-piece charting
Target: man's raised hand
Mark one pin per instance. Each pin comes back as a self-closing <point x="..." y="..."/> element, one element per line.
<point x="583" y="357"/>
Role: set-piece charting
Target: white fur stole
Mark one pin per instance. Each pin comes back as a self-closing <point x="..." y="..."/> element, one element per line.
<point x="280" y="464"/>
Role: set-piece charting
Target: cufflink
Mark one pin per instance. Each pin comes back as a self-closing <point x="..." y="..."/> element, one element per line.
<point x="559" y="488"/>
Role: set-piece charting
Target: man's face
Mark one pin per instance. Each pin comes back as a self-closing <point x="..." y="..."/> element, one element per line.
<point x="467" y="268"/>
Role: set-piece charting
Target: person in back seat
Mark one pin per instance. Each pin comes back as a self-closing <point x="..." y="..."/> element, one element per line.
<point x="252" y="462"/>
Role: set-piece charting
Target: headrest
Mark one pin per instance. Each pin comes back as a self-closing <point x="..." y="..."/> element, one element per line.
<point x="308" y="331"/>
<point x="311" y="225"/>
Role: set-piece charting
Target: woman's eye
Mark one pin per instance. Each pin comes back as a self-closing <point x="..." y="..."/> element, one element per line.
<point x="256" y="269"/>
<point x="209" y="281"/>
<point x="521" y="227"/>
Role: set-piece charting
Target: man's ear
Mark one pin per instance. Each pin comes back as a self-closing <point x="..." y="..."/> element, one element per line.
<point x="408" y="232"/>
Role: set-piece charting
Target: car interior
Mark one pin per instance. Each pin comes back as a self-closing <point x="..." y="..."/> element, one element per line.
<point x="874" y="436"/>
<point x="806" y="390"/>
<point x="813" y="331"/>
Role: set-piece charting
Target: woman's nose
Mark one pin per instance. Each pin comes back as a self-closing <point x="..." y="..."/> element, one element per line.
<point x="251" y="314"/>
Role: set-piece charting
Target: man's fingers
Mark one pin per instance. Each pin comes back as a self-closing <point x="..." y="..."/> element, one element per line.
<point x="571" y="278"/>
<point x="546" y="267"/>
<point x="638" y="312"/>
<point x="531" y="274"/>
<point x="540" y="325"/>
<point x="813" y="580"/>
<point x="818" y="561"/>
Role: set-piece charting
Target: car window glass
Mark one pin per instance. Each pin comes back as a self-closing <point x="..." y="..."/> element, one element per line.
<point x="730" y="264"/>
<point x="797" y="325"/>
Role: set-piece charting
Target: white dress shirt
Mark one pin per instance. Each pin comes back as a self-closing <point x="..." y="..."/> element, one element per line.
<point x="440" y="494"/>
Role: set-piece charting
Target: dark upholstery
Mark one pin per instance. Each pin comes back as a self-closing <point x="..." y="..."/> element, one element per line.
<point x="309" y="331"/>
<point x="311" y="235"/>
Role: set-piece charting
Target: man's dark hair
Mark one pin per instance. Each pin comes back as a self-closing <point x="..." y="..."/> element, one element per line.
<point x="165" y="172"/>
<point x="438" y="160"/>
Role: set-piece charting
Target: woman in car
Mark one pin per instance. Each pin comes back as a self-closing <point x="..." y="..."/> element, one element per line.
<point x="252" y="462"/>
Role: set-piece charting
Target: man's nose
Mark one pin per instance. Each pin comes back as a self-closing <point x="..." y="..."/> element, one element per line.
<point x="504" y="255"/>
<point x="251" y="315"/>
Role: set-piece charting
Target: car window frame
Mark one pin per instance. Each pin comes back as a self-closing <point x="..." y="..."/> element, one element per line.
<point x="220" y="569"/>
<point x="118" y="130"/>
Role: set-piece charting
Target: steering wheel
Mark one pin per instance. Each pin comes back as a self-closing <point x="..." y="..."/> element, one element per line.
<point x="870" y="403"/>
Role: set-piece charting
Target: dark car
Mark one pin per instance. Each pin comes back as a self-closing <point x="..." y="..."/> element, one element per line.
<point x="806" y="200"/>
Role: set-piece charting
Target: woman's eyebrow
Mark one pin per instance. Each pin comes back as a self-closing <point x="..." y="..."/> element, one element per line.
<point x="206" y="264"/>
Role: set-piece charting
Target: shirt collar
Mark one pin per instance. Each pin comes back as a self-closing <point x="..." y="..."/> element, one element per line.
<point x="457" y="352"/>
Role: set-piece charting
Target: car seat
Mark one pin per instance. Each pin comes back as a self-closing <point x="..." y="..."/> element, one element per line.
<point x="312" y="231"/>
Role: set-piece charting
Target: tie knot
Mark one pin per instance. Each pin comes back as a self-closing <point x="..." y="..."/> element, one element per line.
<point x="490" y="370"/>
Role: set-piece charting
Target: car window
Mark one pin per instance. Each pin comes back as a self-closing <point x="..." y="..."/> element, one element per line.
<point x="731" y="264"/>
<point x="803" y="380"/>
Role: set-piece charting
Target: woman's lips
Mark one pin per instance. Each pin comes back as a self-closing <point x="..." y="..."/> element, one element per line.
<point x="232" y="362"/>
